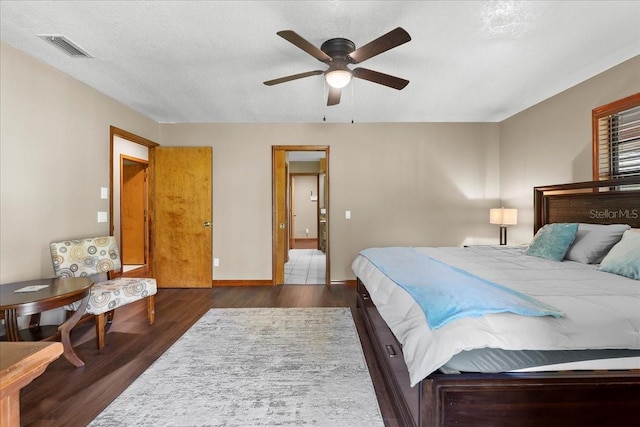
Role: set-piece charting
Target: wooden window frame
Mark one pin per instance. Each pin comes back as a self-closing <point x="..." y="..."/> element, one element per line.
<point x="604" y="111"/>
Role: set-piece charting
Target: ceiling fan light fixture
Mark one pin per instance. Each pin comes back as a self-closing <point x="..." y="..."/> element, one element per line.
<point x="338" y="78"/>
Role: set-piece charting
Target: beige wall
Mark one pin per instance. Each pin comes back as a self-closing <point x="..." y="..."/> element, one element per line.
<point x="550" y="143"/>
<point x="404" y="183"/>
<point x="304" y="167"/>
<point x="54" y="157"/>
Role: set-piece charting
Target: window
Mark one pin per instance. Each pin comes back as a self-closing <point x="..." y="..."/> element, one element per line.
<point x="616" y="139"/>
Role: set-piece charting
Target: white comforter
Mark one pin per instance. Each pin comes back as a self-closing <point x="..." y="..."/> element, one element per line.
<point x="602" y="309"/>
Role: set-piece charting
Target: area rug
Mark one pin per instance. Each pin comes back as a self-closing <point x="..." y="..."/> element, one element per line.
<point x="255" y="367"/>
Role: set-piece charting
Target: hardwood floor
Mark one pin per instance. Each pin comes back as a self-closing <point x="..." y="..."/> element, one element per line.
<point x="69" y="396"/>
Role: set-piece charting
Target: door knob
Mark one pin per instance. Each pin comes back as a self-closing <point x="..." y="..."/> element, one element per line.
<point x="207" y="224"/>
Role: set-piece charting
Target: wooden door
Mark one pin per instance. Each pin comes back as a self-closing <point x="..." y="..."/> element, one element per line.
<point x="133" y="210"/>
<point x="181" y="216"/>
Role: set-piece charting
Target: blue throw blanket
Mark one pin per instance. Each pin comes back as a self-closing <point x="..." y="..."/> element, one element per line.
<point x="447" y="293"/>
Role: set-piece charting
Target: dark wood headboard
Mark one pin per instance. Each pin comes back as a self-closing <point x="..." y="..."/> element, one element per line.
<point x="596" y="202"/>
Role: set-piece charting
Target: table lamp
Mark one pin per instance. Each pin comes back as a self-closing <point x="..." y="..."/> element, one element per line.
<point x="503" y="217"/>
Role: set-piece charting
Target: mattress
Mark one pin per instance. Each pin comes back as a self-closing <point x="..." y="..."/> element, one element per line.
<point x="602" y="310"/>
<point x="493" y="360"/>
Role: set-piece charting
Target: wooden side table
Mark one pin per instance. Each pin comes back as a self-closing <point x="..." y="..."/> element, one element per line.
<point x="20" y="363"/>
<point x="58" y="292"/>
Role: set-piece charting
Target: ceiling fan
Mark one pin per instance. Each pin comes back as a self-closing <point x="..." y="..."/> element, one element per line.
<point x="338" y="53"/>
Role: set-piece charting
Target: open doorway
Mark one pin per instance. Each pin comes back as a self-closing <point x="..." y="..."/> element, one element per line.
<point x="301" y="215"/>
<point x="134" y="235"/>
<point x="306" y="261"/>
<point x="129" y="159"/>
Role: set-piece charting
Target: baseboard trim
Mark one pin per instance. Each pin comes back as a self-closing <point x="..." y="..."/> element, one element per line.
<point x="214" y="283"/>
<point x="241" y="283"/>
<point x="351" y="282"/>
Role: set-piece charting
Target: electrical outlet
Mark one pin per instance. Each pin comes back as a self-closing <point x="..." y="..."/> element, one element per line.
<point x="102" y="217"/>
<point x="347" y="214"/>
<point x="104" y="193"/>
<point x="216" y="262"/>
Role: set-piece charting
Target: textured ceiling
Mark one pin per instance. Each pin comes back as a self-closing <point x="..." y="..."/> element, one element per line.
<point x="205" y="61"/>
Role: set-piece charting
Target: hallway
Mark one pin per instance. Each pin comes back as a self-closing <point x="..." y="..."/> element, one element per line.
<point x="305" y="267"/>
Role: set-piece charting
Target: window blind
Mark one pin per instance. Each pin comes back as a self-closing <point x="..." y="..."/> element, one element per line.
<point x="617" y="144"/>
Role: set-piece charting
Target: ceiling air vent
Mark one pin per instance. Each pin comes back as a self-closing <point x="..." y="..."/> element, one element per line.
<point x="65" y="44"/>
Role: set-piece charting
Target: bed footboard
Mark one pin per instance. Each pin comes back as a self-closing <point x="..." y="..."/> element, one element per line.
<point x="540" y="399"/>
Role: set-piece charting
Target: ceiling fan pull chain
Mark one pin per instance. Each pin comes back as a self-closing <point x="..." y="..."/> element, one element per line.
<point x="352" y="102"/>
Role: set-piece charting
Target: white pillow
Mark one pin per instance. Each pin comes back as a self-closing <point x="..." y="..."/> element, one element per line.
<point x="593" y="242"/>
<point x="624" y="258"/>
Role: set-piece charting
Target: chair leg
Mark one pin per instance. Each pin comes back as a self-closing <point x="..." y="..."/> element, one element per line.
<point x="151" y="309"/>
<point x="34" y="322"/>
<point x="100" y="319"/>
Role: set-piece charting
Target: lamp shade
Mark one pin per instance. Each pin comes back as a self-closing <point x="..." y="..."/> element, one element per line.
<point x="502" y="216"/>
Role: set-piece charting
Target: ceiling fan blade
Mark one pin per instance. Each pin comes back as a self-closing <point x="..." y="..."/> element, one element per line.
<point x="380" y="78"/>
<point x="383" y="43"/>
<point x="334" y="96"/>
<point x="293" y="77"/>
<point x="303" y="44"/>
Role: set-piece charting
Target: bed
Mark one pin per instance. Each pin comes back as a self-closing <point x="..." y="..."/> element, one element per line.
<point x="444" y="391"/>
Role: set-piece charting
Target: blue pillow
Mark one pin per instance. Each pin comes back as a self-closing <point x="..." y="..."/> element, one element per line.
<point x="624" y="258"/>
<point x="553" y="240"/>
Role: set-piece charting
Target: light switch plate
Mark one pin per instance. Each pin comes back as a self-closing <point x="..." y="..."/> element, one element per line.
<point x="102" y="217"/>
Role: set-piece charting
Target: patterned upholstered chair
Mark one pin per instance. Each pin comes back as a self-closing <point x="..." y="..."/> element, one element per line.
<point x="95" y="258"/>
